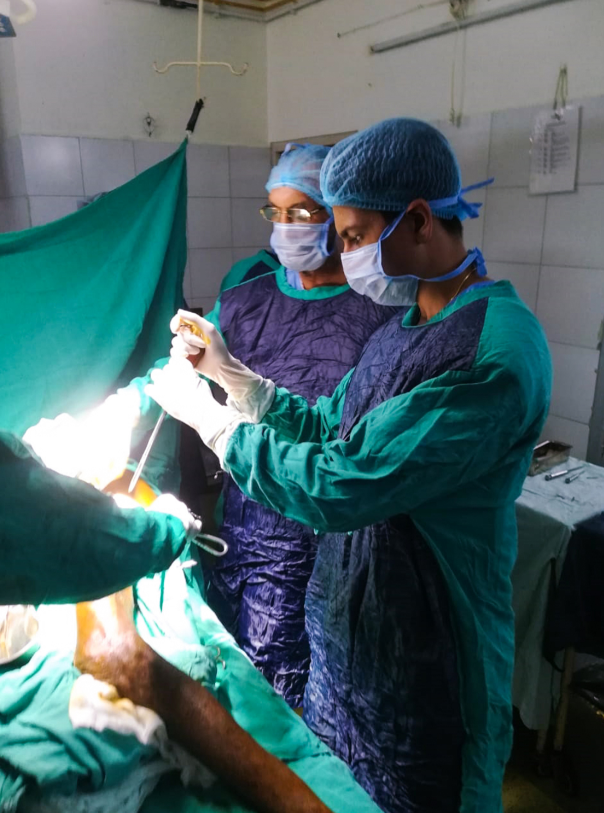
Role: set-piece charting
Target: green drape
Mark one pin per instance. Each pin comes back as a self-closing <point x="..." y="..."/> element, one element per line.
<point x="85" y="302"/>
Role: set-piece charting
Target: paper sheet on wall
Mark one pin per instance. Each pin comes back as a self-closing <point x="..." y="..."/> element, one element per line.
<point x="554" y="152"/>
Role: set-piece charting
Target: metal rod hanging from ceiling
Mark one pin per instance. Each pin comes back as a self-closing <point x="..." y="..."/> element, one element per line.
<point x="468" y="22"/>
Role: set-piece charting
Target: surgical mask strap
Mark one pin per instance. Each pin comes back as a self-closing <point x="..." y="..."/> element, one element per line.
<point x="471" y="210"/>
<point x="385" y="235"/>
<point x="475" y="255"/>
<point x="326" y="227"/>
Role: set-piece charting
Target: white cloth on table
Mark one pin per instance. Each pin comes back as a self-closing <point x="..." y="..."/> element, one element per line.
<point x="547" y="513"/>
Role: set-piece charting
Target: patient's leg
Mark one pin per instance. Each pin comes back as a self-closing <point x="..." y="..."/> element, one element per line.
<point x="111" y="650"/>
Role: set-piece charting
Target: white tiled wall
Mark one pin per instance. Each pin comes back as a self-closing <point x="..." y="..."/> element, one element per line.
<point x="46" y="208"/>
<point x="249" y="227"/>
<point x="42" y="179"/>
<point x="14" y="214"/>
<point x="209" y="223"/>
<point x="105" y="164"/>
<point x="513" y="230"/>
<point x="208" y="266"/>
<point x="550" y="247"/>
<point x="12" y="173"/>
<point x="52" y="165"/>
<point x="524" y="278"/>
<point x="14" y="205"/>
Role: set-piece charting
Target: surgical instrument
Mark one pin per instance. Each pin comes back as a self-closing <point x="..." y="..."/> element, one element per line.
<point x="557" y="474"/>
<point x="573" y="477"/>
<point x="185" y="325"/>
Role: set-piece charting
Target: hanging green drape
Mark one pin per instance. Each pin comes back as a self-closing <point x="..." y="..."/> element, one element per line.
<point x="85" y="302"/>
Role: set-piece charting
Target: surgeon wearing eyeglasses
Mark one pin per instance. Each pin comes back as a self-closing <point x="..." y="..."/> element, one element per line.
<point x="288" y="314"/>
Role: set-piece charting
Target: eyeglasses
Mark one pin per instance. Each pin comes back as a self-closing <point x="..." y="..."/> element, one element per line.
<point x="296" y="215"/>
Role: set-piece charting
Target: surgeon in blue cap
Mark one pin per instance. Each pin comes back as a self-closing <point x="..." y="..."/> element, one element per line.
<point x="411" y="471"/>
<point x="287" y="315"/>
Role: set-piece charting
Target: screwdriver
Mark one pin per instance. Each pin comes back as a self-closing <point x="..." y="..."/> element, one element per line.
<point x="185" y="326"/>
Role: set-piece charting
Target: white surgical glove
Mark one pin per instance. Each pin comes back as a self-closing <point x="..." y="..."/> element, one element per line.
<point x="249" y="392"/>
<point x="124" y="501"/>
<point x="94" y="448"/>
<point x="55" y="442"/>
<point x="164" y="504"/>
<point x="179" y="390"/>
<point x="169" y="504"/>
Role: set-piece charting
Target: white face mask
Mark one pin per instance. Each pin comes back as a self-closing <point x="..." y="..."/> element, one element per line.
<point x="301" y="246"/>
<point x="365" y="273"/>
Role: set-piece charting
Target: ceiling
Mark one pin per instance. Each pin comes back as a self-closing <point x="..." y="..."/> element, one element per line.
<point x="260" y="10"/>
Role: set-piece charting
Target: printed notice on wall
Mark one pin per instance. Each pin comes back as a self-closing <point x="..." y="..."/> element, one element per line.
<point x="554" y="152"/>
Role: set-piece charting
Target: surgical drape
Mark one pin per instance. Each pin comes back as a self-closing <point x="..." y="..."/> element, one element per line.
<point x="85" y="301"/>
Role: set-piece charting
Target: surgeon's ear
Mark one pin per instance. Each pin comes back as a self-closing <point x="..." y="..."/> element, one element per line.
<point x="420" y="218"/>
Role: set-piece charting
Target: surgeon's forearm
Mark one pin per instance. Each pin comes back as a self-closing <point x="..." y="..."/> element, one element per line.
<point x="296" y="421"/>
<point x="196" y="720"/>
<point x="63" y="541"/>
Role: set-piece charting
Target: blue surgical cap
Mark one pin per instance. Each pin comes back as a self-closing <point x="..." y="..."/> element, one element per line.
<point x="300" y="168"/>
<point x="390" y="164"/>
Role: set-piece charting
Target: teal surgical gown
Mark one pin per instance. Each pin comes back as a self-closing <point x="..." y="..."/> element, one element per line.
<point x="62" y="541"/>
<point x="428" y="439"/>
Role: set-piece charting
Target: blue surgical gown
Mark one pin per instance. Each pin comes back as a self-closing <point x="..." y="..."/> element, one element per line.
<point x="305" y="341"/>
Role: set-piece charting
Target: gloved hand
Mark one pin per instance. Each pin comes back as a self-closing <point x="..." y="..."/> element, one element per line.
<point x="94" y="448"/>
<point x="125" y="501"/>
<point x="164" y="504"/>
<point x="168" y="504"/>
<point x="250" y="393"/>
<point x="179" y="390"/>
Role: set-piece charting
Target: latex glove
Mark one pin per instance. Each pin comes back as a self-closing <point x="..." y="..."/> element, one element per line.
<point x="169" y="504"/>
<point x="94" y="448"/>
<point x="55" y="442"/>
<point x="165" y="504"/>
<point x="179" y="390"/>
<point x="124" y="501"/>
<point x="249" y="392"/>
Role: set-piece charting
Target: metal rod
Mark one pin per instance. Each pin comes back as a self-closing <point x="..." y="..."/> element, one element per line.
<point x="557" y="474"/>
<point x="595" y="445"/>
<point x="216" y="546"/>
<point x="468" y="22"/>
<point x="562" y="712"/>
<point x="228" y="65"/>
<point x="199" y="36"/>
<point x="148" y="447"/>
